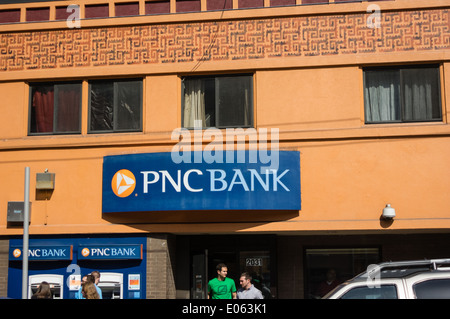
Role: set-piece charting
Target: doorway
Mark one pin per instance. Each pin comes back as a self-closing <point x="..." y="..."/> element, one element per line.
<point x="252" y="254"/>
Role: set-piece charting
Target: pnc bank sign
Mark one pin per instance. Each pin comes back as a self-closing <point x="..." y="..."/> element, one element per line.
<point x="157" y="182"/>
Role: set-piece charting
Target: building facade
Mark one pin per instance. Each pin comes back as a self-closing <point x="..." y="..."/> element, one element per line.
<point x="164" y="137"/>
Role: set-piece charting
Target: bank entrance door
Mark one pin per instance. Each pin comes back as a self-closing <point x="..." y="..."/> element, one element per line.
<point x="240" y="255"/>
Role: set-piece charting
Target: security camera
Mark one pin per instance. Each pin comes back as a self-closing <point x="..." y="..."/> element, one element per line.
<point x="388" y="212"/>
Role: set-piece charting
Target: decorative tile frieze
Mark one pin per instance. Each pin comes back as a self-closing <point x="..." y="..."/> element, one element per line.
<point x="225" y="40"/>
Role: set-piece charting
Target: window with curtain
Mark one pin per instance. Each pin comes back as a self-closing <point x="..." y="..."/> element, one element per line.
<point x="115" y="106"/>
<point x="407" y="94"/>
<point x="55" y="108"/>
<point x="218" y="101"/>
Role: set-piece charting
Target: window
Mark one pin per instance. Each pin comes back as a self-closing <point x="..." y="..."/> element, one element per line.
<point x="365" y="292"/>
<point x="326" y="268"/>
<point x="55" y="108"/>
<point x="408" y="94"/>
<point x="115" y="106"/>
<point x="218" y="101"/>
<point x="433" y="289"/>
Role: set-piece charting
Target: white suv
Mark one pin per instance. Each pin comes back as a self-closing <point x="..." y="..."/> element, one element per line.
<point x="421" y="279"/>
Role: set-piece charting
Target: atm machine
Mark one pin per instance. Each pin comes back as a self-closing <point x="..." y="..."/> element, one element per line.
<point x="111" y="285"/>
<point x="55" y="282"/>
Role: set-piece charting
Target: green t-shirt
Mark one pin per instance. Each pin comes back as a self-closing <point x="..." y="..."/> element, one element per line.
<point x="221" y="289"/>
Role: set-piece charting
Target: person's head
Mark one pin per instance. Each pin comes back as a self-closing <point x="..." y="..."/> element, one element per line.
<point x="331" y="275"/>
<point x="44" y="290"/>
<point x="87" y="278"/>
<point x="222" y="270"/>
<point x="96" y="275"/>
<point x="245" y="280"/>
<point x="89" y="291"/>
<point x="90" y="278"/>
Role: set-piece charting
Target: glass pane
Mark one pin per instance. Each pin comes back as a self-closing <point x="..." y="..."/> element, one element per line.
<point x="327" y="268"/>
<point x="128" y="116"/>
<point x="234" y="101"/>
<point x="199" y="102"/>
<point x="68" y="107"/>
<point x="210" y="102"/>
<point x="433" y="289"/>
<point x="41" y="114"/>
<point x="421" y="94"/>
<point x="101" y="104"/>
<point x="382" y="96"/>
<point x="257" y="264"/>
<point x="199" y="280"/>
<point x="382" y="292"/>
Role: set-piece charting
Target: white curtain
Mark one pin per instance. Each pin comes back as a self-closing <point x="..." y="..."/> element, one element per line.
<point x="418" y="95"/>
<point x="194" y="103"/>
<point x="381" y="96"/>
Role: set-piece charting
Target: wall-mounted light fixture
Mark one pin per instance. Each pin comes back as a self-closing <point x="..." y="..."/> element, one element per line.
<point x="388" y="212"/>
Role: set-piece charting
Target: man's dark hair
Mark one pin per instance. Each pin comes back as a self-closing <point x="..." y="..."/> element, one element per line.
<point x="220" y="266"/>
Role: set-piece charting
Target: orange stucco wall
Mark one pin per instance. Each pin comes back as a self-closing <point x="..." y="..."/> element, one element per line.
<point x="349" y="170"/>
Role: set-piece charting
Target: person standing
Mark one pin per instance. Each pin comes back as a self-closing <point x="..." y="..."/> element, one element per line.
<point x="85" y="279"/>
<point x="89" y="291"/>
<point x="43" y="292"/>
<point x="247" y="289"/>
<point x="96" y="275"/>
<point x="329" y="284"/>
<point x="221" y="287"/>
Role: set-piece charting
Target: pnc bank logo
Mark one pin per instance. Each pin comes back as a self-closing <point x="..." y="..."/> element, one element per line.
<point x="85" y="252"/>
<point x="17" y="252"/>
<point x="123" y="183"/>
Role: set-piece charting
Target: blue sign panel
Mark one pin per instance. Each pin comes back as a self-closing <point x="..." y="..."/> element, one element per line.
<point x="42" y="253"/>
<point x="162" y="182"/>
<point x="109" y="252"/>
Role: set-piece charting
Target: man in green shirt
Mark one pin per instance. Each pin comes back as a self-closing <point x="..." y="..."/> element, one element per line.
<point x="221" y="287"/>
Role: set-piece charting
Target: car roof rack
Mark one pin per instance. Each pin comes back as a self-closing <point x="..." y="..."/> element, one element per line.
<point x="388" y="269"/>
<point x="433" y="263"/>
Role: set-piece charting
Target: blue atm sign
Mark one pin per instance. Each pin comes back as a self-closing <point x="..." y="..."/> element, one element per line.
<point x="110" y="252"/>
<point x="155" y="182"/>
<point x="42" y="253"/>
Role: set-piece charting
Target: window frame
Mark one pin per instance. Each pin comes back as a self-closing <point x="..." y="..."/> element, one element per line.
<point x="55" y="84"/>
<point x="115" y="105"/>
<point x="400" y="68"/>
<point x="216" y="107"/>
